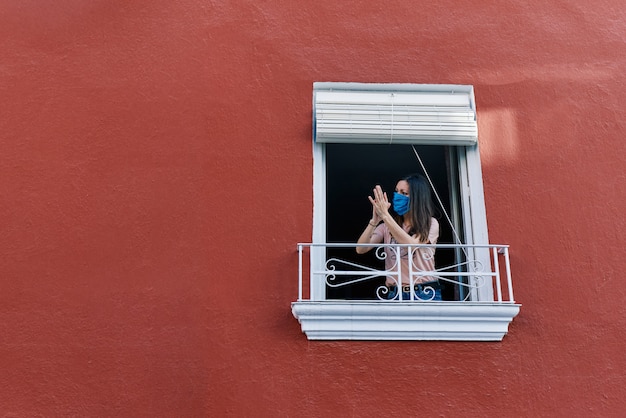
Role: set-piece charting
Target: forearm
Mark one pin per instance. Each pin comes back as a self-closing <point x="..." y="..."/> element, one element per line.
<point x="366" y="237"/>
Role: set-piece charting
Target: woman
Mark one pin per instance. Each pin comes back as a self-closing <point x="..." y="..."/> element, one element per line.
<point x="413" y="224"/>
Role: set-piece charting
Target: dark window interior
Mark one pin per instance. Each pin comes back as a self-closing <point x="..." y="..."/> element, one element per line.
<point x="352" y="171"/>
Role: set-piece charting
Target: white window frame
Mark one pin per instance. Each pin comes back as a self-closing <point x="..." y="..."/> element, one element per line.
<point x="478" y="319"/>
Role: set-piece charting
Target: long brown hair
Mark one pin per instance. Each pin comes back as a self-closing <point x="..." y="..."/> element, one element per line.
<point x="421" y="207"/>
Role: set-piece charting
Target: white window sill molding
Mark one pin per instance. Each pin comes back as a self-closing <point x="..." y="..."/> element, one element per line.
<point x="443" y="321"/>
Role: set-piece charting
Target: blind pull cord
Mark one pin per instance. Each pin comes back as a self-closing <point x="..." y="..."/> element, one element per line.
<point x="432" y="186"/>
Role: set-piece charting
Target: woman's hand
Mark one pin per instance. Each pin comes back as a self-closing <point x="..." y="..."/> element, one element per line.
<point x="380" y="204"/>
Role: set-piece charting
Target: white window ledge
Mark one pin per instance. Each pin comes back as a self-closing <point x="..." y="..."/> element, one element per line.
<point x="444" y="321"/>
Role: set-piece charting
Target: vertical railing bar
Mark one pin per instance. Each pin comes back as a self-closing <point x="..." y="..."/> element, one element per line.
<point x="398" y="272"/>
<point x="496" y="267"/>
<point x="299" y="272"/>
<point x="508" y="274"/>
<point x="409" y="255"/>
<point x="471" y="279"/>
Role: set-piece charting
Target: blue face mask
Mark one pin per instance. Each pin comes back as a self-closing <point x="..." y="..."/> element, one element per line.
<point x="400" y="203"/>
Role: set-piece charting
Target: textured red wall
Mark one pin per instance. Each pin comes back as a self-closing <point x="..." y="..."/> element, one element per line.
<point x="155" y="176"/>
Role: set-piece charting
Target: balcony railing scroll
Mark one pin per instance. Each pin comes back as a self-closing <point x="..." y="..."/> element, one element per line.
<point x="481" y="272"/>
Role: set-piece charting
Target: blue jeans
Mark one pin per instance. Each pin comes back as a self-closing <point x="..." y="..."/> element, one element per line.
<point x="423" y="292"/>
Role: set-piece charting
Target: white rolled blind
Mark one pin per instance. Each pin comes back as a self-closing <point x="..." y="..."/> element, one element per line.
<point x="399" y="113"/>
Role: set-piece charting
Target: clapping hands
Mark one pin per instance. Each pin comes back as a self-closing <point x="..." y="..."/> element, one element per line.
<point x="380" y="204"/>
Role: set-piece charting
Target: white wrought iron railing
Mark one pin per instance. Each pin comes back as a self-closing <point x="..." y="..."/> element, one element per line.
<point x="481" y="272"/>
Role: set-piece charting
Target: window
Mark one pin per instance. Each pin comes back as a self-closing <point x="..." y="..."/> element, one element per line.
<point x="366" y="134"/>
<point x="351" y="172"/>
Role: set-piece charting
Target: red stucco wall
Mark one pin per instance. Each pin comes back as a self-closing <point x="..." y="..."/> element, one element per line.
<point x="155" y="176"/>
